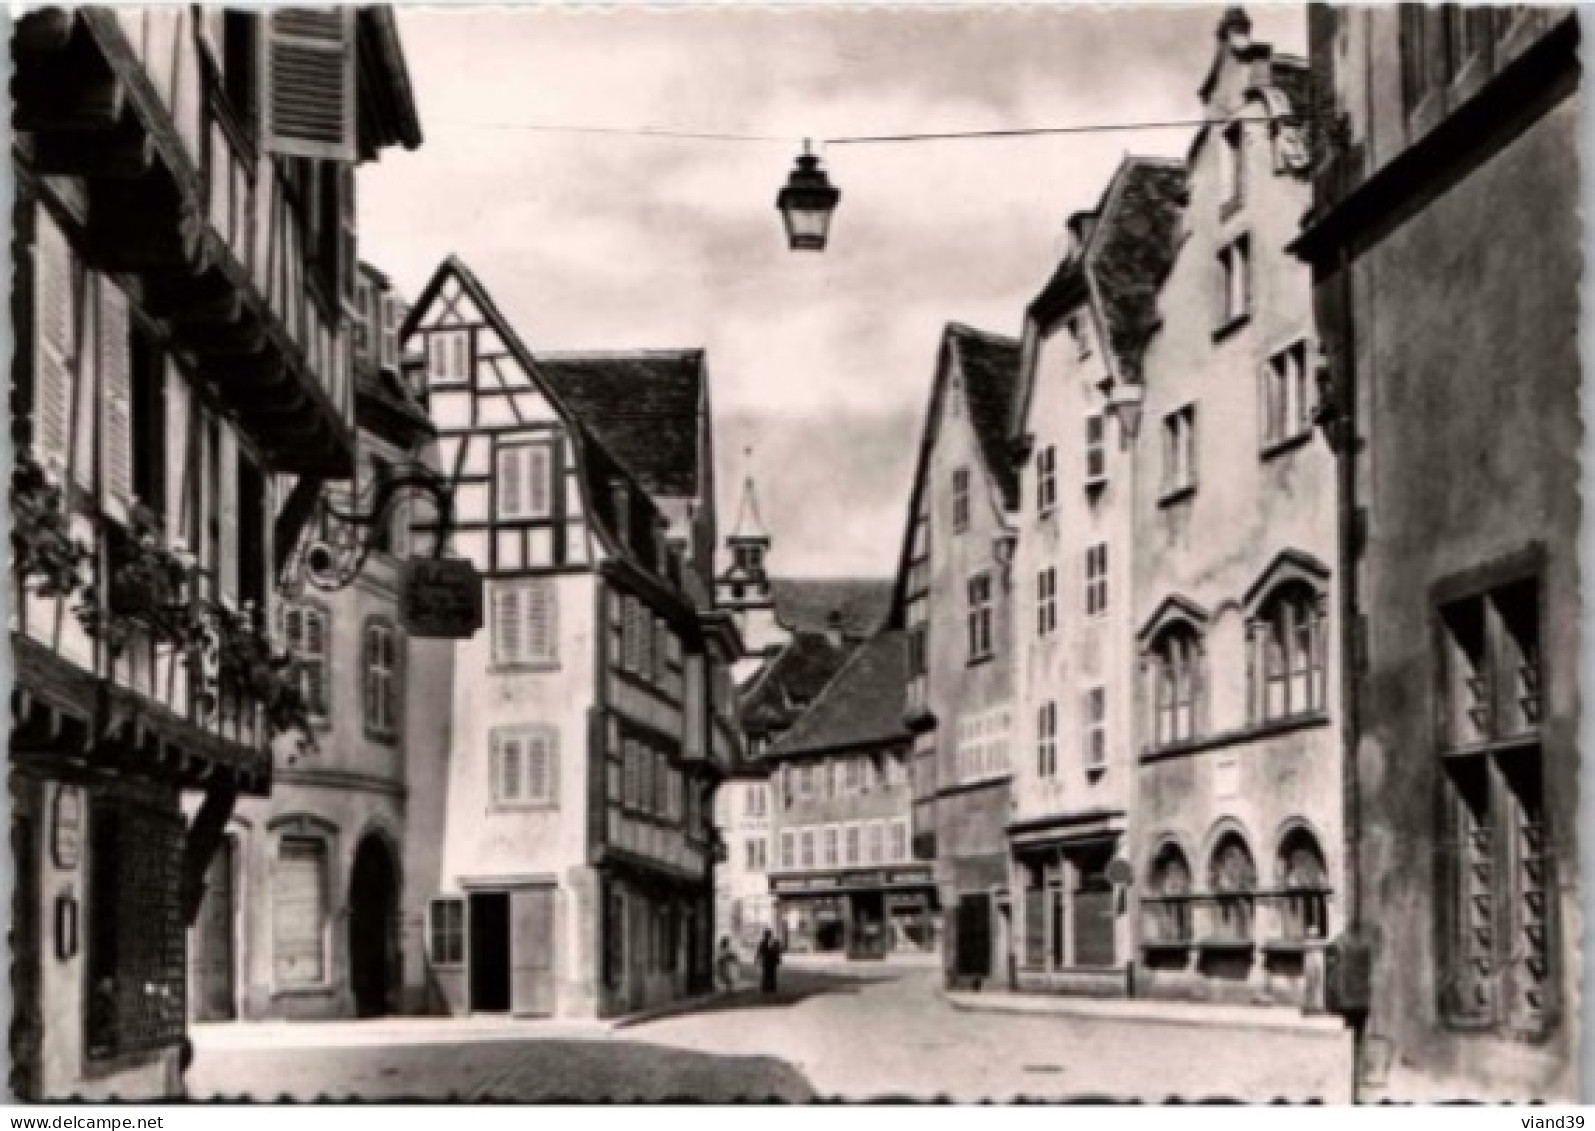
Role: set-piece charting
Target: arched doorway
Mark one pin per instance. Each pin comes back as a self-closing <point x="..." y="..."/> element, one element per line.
<point x="373" y="913"/>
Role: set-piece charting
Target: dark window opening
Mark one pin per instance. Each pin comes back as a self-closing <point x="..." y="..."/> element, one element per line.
<point x="149" y="422"/>
<point x="252" y="569"/>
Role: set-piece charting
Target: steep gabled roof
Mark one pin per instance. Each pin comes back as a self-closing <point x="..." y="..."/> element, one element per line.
<point x="1120" y="268"/>
<point x="597" y="468"/>
<point x="1130" y="257"/>
<point x="862" y="705"/>
<point x="807" y="604"/>
<point x="990" y="367"/>
<point x="644" y="405"/>
<point x="790" y="680"/>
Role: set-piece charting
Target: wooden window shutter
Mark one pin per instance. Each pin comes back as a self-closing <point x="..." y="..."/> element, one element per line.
<point x="52" y="344"/>
<point x="538" y="461"/>
<point x="180" y="434"/>
<point x="541" y="625"/>
<point x="308" y="64"/>
<point x="227" y="489"/>
<point x="542" y="767"/>
<point x="509" y="767"/>
<point x="116" y="401"/>
<point x="511" y="502"/>
<point x="507" y="624"/>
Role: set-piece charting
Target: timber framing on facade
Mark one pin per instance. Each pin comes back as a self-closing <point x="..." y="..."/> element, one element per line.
<point x="185" y="246"/>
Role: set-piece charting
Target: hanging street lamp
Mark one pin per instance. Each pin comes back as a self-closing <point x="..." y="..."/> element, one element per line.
<point x="806" y="204"/>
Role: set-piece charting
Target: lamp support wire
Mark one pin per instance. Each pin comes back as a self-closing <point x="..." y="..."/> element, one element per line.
<point x="822" y="143"/>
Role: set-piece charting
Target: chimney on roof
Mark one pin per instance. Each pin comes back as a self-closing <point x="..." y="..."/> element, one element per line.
<point x="1235" y="29"/>
<point x="1081" y="225"/>
<point x="834" y="628"/>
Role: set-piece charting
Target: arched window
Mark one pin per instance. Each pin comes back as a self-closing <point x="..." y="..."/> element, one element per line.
<point x="381" y="652"/>
<point x="1287" y="660"/>
<point x="1169" y="896"/>
<point x="1304" y="887"/>
<point x="1175" y="667"/>
<point x="1232" y="881"/>
<point x="308" y="630"/>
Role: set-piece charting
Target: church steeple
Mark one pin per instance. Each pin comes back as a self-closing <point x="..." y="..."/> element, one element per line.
<point x="749" y="526"/>
<point x="745" y="584"/>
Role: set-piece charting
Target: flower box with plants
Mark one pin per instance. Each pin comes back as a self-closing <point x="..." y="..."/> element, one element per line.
<point x="48" y="558"/>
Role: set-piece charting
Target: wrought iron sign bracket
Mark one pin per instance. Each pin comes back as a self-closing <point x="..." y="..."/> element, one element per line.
<point x="333" y="560"/>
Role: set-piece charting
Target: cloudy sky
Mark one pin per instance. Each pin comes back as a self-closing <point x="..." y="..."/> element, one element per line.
<point x="820" y="363"/>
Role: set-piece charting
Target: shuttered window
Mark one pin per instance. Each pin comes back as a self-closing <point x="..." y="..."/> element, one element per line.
<point x="307" y="629"/>
<point x="54" y="344"/>
<point x="448" y="352"/>
<point x="525" y="766"/>
<point x="180" y="441"/>
<point x="523" y="481"/>
<point x="299" y="913"/>
<point x="525" y="622"/>
<point x="310" y="101"/>
<point x="381" y="678"/>
<point x="116" y="401"/>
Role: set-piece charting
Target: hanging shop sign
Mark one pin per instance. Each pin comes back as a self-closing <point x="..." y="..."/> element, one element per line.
<point x="440" y="598"/>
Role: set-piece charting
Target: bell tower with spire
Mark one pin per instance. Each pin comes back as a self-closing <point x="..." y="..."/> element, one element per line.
<point x="743" y="587"/>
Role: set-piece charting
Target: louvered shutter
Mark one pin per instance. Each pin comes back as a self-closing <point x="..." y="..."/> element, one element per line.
<point x="227" y="490"/>
<point x="509" y="766"/>
<point x="308" y="64"/>
<point x="507" y="624"/>
<point x="510" y="495"/>
<point x="541" y="768"/>
<point x="116" y="401"/>
<point x="52" y="344"/>
<point x="541" y="623"/>
<point x="538" y="460"/>
<point x="317" y="664"/>
<point x="179" y="455"/>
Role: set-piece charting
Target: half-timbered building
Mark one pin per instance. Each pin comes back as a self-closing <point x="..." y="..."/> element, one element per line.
<point x="572" y="871"/>
<point x="301" y="911"/>
<point x="181" y="389"/>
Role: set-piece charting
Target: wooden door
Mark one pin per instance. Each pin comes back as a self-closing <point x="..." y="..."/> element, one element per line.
<point x="215" y="940"/>
<point x="973" y="936"/>
<point x="532" y="952"/>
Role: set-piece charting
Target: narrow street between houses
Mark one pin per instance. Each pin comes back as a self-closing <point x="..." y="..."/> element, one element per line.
<point x="828" y="1034"/>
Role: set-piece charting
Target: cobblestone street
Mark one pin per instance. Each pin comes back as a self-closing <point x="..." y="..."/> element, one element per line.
<point x="852" y="1034"/>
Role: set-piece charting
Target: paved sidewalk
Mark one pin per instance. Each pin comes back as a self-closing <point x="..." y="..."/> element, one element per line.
<point x="1199" y="1014"/>
<point x="393" y="1032"/>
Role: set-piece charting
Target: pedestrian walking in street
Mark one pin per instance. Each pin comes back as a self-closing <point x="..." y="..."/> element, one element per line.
<point x="725" y="966"/>
<point x="768" y="957"/>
